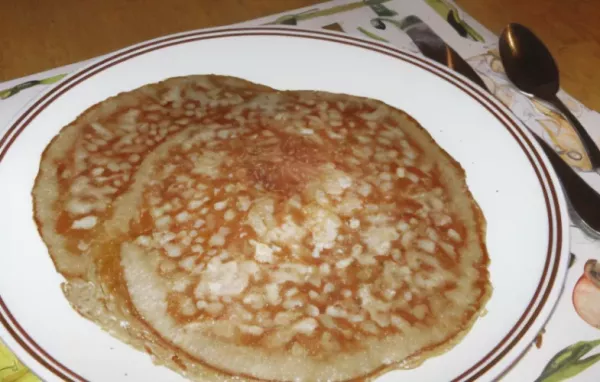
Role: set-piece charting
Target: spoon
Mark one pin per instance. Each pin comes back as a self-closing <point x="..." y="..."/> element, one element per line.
<point x="531" y="67"/>
<point x="582" y="198"/>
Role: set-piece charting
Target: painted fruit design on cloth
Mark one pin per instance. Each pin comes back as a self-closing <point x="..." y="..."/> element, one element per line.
<point x="586" y="294"/>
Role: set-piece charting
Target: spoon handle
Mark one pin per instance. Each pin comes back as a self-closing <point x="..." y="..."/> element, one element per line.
<point x="588" y="143"/>
<point x="583" y="199"/>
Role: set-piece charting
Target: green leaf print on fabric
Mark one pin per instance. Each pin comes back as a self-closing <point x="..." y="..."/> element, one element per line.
<point x="569" y="362"/>
<point x="450" y="13"/>
<point x="4" y="94"/>
<point x="380" y="9"/>
<point x="371" y="34"/>
<point x="572" y="259"/>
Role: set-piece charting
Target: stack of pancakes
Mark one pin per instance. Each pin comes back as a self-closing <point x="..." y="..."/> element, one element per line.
<point x="230" y="229"/>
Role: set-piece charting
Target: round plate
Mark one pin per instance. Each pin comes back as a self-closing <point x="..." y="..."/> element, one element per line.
<point x="507" y="173"/>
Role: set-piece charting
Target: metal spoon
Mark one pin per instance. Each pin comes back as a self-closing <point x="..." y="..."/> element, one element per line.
<point x="531" y="67"/>
<point x="582" y="198"/>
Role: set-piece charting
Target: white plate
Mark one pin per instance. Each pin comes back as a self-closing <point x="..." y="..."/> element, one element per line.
<point x="509" y="177"/>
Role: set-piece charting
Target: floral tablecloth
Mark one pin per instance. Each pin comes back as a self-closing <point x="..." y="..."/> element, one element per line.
<point x="569" y="346"/>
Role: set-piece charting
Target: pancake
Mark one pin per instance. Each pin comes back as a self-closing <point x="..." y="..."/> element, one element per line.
<point x="233" y="230"/>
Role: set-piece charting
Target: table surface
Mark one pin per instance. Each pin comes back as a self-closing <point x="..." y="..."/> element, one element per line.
<point x="37" y="35"/>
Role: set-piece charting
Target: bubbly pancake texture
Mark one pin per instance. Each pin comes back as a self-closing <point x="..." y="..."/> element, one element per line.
<point x="233" y="230"/>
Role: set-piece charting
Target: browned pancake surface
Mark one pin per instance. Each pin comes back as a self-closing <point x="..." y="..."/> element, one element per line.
<point x="230" y="229"/>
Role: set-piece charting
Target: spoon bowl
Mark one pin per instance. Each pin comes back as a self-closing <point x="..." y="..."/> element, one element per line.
<point x="530" y="66"/>
<point x="528" y="63"/>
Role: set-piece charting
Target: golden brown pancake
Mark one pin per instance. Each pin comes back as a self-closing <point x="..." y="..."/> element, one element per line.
<point x="230" y="229"/>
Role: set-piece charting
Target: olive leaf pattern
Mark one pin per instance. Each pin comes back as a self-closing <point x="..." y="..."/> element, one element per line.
<point x="4" y="94"/>
<point x="451" y="14"/>
<point x="569" y="362"/>
<point x="371" y="35"/>
<point x="572" y="259"/>
<point x="12" y="370"/>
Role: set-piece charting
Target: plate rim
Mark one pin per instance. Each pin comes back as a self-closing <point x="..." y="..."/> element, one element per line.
<point x="555" y="267"/>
